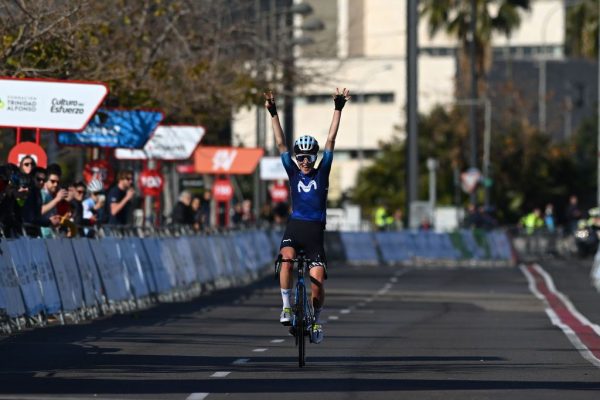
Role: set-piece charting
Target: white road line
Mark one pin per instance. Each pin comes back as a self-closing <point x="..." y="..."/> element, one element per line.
<point x="277" y="341"/>
<point x="220" y="374"/>
<point x="241" y="361"/>
<point x="361" y="304"/>
<point x="333" y="317"/>
<point x="393" y="279"/>
<point x="345" y="311"/>
<point x="259" y="350"/>
<point x="197" y="396"/>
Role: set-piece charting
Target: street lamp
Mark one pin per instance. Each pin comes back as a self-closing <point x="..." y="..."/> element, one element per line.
<point x="361" y="102"/>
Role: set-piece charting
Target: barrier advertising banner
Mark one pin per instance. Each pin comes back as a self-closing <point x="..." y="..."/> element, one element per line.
<point x="226" y="160"/>
<point x="49" y="104"/>
<point x="168" y="143"/>
<point x="115" y="128"/>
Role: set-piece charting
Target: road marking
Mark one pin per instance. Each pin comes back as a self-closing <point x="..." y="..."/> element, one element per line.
<point x="259" y="350"/>
<point x="361" y="304"/>
<point x="333" y="317"/>
<point x="393" y="279"/>
<point x="241" y="361"/>
<point x="220" y="374"/>
<point x="345" y="311"/>
<point x="277" y="341"/>
<point x="197" y="396"/>
<point x="584" y="335"/>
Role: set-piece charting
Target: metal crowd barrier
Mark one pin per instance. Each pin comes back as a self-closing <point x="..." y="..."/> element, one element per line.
<point x="82" y="278"/>
<point x="420" y="248"/>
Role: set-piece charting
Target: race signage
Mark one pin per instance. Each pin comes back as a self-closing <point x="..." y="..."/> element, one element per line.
<point x="24" y="149"/>
<point x="151" y="182"/>
<point x="101" y="170"/>
<point x="115" y="128"/>
<point x="49" y="104"/>
<point x="222" y="190"/>
<point x="469" y="179"/>
<point x="271" y="169"/>
<point x="168" y="143"/>
<point x="226" y="160"/>
<point x="279" y="192"/>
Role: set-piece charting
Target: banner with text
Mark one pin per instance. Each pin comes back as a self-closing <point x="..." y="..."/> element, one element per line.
<point x="49" y="104"/>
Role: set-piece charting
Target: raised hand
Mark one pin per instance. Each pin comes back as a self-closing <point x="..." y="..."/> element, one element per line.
<point x="340" y="99"/>
<point x="270" y="103"/>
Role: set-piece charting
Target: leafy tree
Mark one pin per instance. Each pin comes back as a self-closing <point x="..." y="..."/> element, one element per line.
<point x="454" y="17"/>
<point x="582" y="29"/>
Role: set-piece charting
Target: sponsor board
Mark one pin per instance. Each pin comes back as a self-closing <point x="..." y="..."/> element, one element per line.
<point x="226" y="160"/>
<point x="49" y="104"/>
<point x="167" y="143"/>
<point x="115" y="128"/>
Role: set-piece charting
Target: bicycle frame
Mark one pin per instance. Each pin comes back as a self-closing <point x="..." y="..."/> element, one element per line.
<point x="303" y="317"/>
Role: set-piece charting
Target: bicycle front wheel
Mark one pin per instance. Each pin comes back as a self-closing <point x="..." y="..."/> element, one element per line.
<point x="300" y="325"/>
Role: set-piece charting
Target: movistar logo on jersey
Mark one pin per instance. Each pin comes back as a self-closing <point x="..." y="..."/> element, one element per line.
<point x="306" y="188"/>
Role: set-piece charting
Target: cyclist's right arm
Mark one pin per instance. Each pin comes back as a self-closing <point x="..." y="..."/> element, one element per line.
<point x="279" y="138"/>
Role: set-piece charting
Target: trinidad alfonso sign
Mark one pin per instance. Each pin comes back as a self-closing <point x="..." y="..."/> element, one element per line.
<point x="49" y="104"/>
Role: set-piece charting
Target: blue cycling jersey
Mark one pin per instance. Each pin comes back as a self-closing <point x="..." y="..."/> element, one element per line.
<point x="309" y="192"/>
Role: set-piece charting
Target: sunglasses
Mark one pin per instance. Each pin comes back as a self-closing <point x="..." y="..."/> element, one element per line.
<point x="311" y="157"/>
<point x="40" y="179"/>
<point x="27" y="164"/>
<point x="53" y="180"/>
<point x="128" y="178"/>
<point x="81" y="191"/>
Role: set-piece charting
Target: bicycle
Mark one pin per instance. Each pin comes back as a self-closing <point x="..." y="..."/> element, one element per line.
<point x="303" y="315"/>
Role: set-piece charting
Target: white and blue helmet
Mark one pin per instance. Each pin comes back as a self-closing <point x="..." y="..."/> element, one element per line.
<point x="306" y="144"/>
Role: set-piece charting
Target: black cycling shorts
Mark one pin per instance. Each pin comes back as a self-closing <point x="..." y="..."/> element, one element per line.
<point x="308" y="236"/>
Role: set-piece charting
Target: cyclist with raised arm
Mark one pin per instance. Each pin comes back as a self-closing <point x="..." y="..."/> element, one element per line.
<point x="306" y="225"/>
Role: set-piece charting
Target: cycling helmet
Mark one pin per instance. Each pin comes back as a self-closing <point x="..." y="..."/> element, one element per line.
<point x="306" y="144"/>
<point x="95" y="186"/>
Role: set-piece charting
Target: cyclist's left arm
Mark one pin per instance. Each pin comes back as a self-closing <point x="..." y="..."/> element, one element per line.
<point x="339" y="100"/>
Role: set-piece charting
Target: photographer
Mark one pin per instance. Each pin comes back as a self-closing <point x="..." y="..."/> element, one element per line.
<point x="14" y="189"/>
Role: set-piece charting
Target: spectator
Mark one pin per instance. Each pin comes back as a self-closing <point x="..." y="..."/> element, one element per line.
<point x="79" y="191"/>
<point x="119" y="199"/>
<point x="12" y="195"/>
<point x="398" y="223"/>
<point x="549" y="218"/>
<point x="197" y="212"/>
<point x="533" y="221"/>
<point x="247" y="214"/>
<point x="205" y="208"/>
<point x="32" y="209"/>
<point x="27" y="165"/>
<point x="52" y="195"/>
<point x="92" y="205"/>
<point x="182" y="212"/>
<point x="238" y="213"/>
<point x="573" y="214"/>
<point x="266" y="213"/>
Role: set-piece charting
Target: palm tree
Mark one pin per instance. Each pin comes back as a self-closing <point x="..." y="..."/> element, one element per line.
<point x="582" y="28"/>
<point x="454" y="17"/>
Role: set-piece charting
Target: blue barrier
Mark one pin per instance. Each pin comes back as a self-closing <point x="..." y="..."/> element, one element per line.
<point x="45" y="274"/>
<point x="69" y="275"/>
<point x="360" y="247"/>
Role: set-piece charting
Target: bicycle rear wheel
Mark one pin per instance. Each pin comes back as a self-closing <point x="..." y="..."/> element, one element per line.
<point x="300" y="325"/>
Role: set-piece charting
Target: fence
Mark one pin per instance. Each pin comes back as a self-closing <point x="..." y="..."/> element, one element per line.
<point x="82" y="278"/>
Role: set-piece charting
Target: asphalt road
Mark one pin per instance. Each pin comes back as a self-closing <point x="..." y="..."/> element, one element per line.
<point x="390" y="333"/>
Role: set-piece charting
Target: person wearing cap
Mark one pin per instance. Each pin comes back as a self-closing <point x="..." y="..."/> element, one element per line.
<point x="305" y="227"/>
<point x="93" y="203"/>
